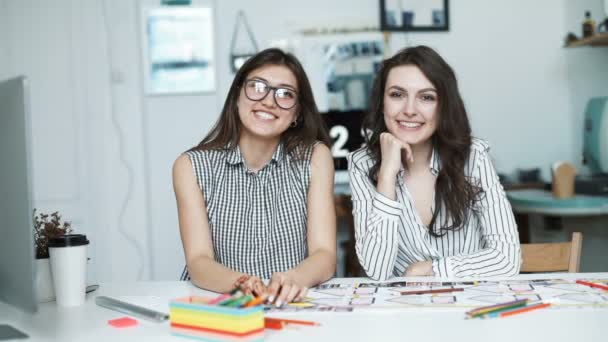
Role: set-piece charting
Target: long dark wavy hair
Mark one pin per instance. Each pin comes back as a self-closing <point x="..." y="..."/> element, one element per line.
<point x="310" y="126"/>
<point x="451" y="140"/>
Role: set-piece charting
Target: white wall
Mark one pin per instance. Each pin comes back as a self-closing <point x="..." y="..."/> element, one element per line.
<point x="514" y="75"/>
<point x="587" y="77"/>
<point x="104" y="151"/>
<point x="87" y="131"/>
<point x="4" y="37"/>
<point x="587" y="67"/>
<point x="512" y="71"/>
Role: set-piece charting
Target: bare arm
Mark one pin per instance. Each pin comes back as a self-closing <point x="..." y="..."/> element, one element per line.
<point x="320" y="264"/>
<point x="204" y="271"/>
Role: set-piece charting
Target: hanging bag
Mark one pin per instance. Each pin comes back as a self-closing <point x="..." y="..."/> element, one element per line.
<point x="238" y="58"/>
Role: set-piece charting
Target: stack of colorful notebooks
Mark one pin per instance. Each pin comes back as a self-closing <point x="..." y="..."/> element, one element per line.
<point x="195" y="317"/>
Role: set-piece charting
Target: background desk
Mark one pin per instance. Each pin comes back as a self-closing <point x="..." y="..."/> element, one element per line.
<point x="542" y="218"/>
<point x="542" y="202"/>
<point x="89" y="322"/>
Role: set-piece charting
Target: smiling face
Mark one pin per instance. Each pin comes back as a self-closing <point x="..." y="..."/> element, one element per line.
<point x="264" y="118"/>
<point x="410" y="105"/>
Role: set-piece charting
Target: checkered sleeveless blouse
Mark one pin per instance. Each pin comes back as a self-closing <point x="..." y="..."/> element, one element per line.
<point x="257" y="219"/>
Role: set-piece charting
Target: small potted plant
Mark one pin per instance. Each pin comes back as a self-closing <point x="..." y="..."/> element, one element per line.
<point x="45" y="227"/>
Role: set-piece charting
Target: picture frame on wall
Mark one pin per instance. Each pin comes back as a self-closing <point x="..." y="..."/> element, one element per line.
<point x="178" y="48"/>
<point x="414" y="15"/>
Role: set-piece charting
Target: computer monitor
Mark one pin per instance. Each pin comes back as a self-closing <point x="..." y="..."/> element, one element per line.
<point x="17" y="265"/>
<point x="344" y="128"/>
<point x="595" y="137"/>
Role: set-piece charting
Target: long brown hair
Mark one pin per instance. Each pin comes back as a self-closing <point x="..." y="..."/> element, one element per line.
<point x="310" y="126"/>
<point x="451" y="140"/>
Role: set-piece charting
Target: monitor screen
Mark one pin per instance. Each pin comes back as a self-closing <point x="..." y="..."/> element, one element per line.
<point x="595" y="138"/>
<point x="345" y="132"/>
<point x="17" y="266"/>
<point x="344" y="128"/>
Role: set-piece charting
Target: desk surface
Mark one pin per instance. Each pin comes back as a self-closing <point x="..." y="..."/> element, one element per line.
<point x="89" y="322"/>
<point x="542" y="202"/>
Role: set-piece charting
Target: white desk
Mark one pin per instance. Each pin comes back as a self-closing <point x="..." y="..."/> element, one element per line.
<point x="89" y="322"/>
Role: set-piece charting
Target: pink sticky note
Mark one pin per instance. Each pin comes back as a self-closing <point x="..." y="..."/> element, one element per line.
<point x="123" y="322"/>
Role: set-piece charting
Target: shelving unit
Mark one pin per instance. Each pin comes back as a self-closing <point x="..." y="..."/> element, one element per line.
<point x="600" y="39"/>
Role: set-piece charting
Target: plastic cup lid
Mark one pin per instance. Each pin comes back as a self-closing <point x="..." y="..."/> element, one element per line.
<point x="68" y="240"/>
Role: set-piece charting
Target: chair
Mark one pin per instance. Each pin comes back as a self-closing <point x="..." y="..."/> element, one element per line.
<point x="552" y="257"/>
<point x="185" y="275"/>
<point x="344" y="211"/>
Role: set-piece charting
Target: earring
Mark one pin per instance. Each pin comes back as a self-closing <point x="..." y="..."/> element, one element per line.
<point x="294" y="123"/>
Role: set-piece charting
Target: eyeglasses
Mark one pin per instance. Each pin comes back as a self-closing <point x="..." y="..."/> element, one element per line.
<point x="257" y="90"/>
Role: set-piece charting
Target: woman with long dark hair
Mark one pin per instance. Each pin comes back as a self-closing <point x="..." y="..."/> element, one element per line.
<point x="426" y="197"/>
<point x="255" y="197"/>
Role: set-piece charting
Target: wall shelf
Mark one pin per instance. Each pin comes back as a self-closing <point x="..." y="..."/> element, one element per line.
<point x="600" y="39"/>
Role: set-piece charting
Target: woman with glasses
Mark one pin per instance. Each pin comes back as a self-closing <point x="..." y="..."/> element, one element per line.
<point x="255" y="196"/>
<point x="426" y="197"/>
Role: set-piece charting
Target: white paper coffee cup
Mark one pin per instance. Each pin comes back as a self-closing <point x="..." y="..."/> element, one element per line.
<point x="68" y="256"/>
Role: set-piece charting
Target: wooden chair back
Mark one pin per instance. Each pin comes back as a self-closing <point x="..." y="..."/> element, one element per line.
<point x="552" y="257"/>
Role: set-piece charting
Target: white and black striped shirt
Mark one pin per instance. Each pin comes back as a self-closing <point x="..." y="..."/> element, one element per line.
<point x="257" y="219"/>
<point x="390" y="235"/>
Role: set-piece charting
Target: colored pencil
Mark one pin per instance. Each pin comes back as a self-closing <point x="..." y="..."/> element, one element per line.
<point x="594" y="285"/>
<point x="198" y="300"/>
<point x="238" y="302"/>
<point x="496" y="307"/>
<point x="274" y="325"/>
<point x="290" y="321"/>
<point x="496" y="311"/>
<point x="219" y="298"/>
<point x="231" y="299"/>
<point x="524" y="309"/>
<point x="456" y="289"/>
<point x="225" y="296"/>
<point x="256" y="301"/>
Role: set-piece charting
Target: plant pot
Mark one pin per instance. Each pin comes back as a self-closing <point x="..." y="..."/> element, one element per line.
<point x="45" y="292"/>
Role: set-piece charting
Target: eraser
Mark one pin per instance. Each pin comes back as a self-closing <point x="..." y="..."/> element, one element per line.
<point x="123" y="322"/>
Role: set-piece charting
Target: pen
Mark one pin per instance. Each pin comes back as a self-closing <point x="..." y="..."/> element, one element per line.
<point x="594" y="285"/>
<point x="456" y="289"/>
<point x="131" y="309"/>
<point x="289" y="321"/>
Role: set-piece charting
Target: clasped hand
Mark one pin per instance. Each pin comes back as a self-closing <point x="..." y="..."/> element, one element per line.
<point x="282" y="288"/>
<point x="420" y="268"/>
